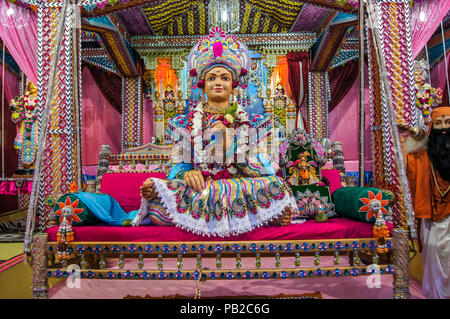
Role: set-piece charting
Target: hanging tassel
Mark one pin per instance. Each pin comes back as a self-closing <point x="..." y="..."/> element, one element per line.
<point x="380" y="232"/>
<point x="68" y="211"/>
<point x="64" y="236"/>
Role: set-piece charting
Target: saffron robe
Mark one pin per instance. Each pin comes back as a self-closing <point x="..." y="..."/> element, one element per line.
<point x="426" y="197"/>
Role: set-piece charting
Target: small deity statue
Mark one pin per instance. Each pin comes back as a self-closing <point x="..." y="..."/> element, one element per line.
<point x="427" y="97"/>
<point x="303" y="172"/>
<point x="24" y="115"/>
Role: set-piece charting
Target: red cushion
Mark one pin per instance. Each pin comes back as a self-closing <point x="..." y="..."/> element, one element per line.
<point x="335" y="228"/>
<point x="333" y="177"/>
<point x="125" y="187"/>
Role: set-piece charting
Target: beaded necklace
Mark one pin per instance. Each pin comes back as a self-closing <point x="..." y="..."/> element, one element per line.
<point x="442" y="193"/>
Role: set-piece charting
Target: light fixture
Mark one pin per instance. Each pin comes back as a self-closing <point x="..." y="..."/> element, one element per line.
<point x="224" y="14"/>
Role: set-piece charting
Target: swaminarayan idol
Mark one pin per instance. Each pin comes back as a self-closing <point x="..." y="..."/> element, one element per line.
<point x="211" y="192"/>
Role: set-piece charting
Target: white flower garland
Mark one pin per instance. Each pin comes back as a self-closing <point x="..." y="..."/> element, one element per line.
<point x="197" y="132"/>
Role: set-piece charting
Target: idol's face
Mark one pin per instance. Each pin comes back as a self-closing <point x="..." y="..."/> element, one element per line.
<point x="418" y="77"/>
<point x="441" y="122"/>
<point x="218" y="84"/>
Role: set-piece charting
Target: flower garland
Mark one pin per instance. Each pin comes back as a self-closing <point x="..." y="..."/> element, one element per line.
<point x="424" y="100"/>
<point x="235" y="114"/>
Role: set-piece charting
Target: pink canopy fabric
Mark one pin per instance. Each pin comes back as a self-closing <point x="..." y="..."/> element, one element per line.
<point x="438" y="79"/>
<point x="11" y="84"/>
<point x="11" y="90"/>
<point x="101" y="123"/>
<point x="18" y="30"/>
<point x="425" y="19"/>
<point x="344" y="122"/>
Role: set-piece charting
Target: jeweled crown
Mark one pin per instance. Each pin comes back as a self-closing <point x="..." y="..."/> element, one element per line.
<point x="219" y="49"/>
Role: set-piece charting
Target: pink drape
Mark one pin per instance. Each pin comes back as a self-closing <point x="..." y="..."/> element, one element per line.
<point x="18" y="31"/>
<point x="11" y="83"/>
<point x="11" y="90"/>
<point x="425" y="19"/>
<point x="102" y="124"/>
<point x="438" y="79"/>
<point x="344" y="123"/>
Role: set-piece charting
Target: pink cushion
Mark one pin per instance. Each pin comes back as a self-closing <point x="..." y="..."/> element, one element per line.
<point x="333" y="176"/>
<point x="125" y="187"/>
<point x="335" y="228"/>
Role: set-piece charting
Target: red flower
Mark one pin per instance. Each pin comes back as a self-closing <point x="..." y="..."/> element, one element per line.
<point x="70" y="209"/>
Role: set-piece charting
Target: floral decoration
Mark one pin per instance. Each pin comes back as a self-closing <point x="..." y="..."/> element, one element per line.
<point x="373" y="204"/>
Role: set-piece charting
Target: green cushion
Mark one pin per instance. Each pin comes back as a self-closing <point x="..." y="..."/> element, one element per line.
<point x="309" y="195"/>
<point x="351" y="202"/>
<point x="86" y="216"/>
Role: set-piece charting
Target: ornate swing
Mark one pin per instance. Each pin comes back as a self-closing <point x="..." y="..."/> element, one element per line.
<point x="94" y="245"/>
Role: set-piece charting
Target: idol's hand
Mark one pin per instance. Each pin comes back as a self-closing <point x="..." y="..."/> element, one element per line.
<point x="195" y="180"/>
<point x="218" y="126"/>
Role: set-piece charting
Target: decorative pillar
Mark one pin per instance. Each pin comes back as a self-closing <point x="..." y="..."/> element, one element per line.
<point x="132" y="108"/>
<point x="177" y="66"/>
<point x="103" y="165"/>
<point x="318" y="99"/>
<point x="39" y="280"/>
<point x="390" y="60"/>
<point x="158" y="118"/>
<point x="394" y="27"/>
<point x="270" y="63"/>
<point x="379" y="127"/>
<point x="61" y="150"/>
<point x="400" y="261"/>
<point x="291" y="116"/>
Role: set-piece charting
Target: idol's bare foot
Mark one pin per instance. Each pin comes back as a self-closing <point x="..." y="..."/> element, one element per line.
<point x="148" y="191"/>
<point x="285" y="218"/>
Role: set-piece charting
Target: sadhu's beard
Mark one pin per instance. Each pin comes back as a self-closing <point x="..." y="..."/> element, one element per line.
<point x="439" y="151"/>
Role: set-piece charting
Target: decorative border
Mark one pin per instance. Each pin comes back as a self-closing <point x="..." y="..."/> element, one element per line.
<point x="116" y="48"/>
<point x="287" y="41"/>
<point x="139" y="157"/>
<point x="224" y="274"/>
<point x="344" y="56"/>
<point x="329" y="45"/>
<point x="199" y="250"/>
<point x="211" y="248"/>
